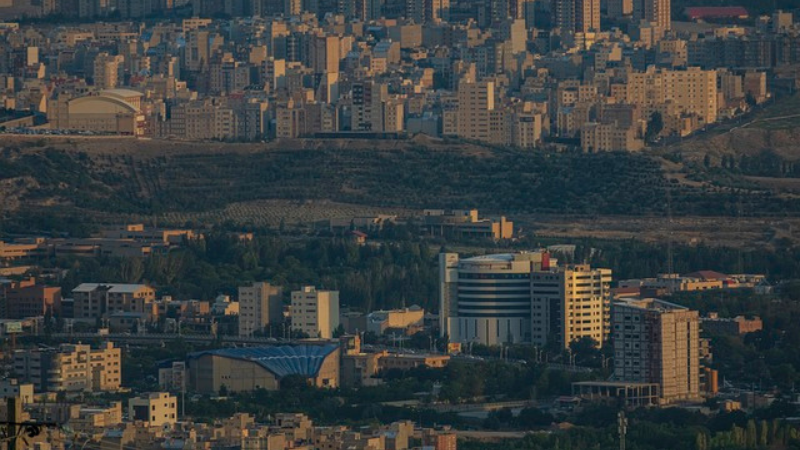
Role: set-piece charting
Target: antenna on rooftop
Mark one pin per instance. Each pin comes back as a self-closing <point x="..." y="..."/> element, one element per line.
<point x="740" y="257"/>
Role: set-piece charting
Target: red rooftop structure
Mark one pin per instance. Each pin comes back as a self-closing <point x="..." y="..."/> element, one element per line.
<point x="716" y="12"/>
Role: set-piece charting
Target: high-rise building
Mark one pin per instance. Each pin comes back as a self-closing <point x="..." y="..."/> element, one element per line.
<point x="108" y="70"/>
<point x="570" y="303"/>
<point x="576" y="16"/>
<point x="421" y="11"/>
<point x="477" y="117"/>
<point x="653" y="11"/>
<point x="260" y="305"/>
<point x="315" y="313"/>
<point x="618" y="9"/>
<point x="587" y="16"/>
<point x="324" y="54"/>
<point x="521" y="298"/>
<point x="367" y="105"/>
<point x="71" y="368"/>
<point x="657" y="342"/>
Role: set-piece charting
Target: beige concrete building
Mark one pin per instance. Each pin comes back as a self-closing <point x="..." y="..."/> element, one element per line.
<point x="250" y="368"/>
<point x="70" y="368"/>
<point x="259" y="306"/>
<point x="478" y="117"/>
<point x="570" y="303"/>
<point x="380" y="321"/>
<point x="607" y="137"/>
<point x="691" y="91"/>
<point x="115" y="111"/>
<point x="11" y="388"/>
<point x="657" y="12"/>
<point x="96" y="300"/>
<point x="155" y="410"/>
<point x="315" y="313"/>
<point x="658" y="342"/>
<point x="108" y="70"/>
<point x="324" y="54"/>
<point x="466" y="223"/>
<point x="402" y="361"/>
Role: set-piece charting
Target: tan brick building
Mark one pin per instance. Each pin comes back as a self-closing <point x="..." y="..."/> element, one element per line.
<point x="71" y="368"/>
<point x="658" y="342"/>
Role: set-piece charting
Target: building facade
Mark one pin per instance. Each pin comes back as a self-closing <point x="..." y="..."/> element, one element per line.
<point x="521" y="298"/>
<point x="260" y="305"/>
<point x="658" y="342"/>
<point x="315" y="313"/>
<point x="71" y="368"/>
<point x="156" y="409"/>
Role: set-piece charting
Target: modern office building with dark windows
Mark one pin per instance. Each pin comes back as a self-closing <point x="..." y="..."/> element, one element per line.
<point x="514" y="298"/>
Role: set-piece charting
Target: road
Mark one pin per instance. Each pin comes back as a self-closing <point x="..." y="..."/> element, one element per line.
<point x="162" y="337"/>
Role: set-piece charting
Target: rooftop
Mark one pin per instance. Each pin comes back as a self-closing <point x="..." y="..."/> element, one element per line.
<point x="113" y="287"/>
<point x="303" y="360"/>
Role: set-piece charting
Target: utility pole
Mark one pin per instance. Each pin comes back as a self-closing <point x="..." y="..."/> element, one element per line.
<point x="13" y="415"/>
<point x="622" y="428"/>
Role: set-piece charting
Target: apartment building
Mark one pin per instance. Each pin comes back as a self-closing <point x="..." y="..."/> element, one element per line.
<point x="657" y="12"/>
<point x="23" y="299"/>
<point x="657" y="342"/>
<point x="477" y="117"/>
<point x="71" y="368"/>
<point x="576" y="16"/>
<point x="155" y="409"/>
<point x="260" y="305"/>
<point x="570" y="303"/>
<point x="609" y="137"/>
<point x="315" y="312"/>
<point x="692" y="91"/>
<point x="97" y="300"/>
<point x="108" y="71"/>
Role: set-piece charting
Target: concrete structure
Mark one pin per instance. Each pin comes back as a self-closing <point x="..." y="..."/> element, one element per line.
<point x="11" y="388"/>
<point x="247" y="369"/>
<point x="23" y="299"/>
<point x="522" y="298"/>
<point x="576" y="16"/>
<point x="657" y="12"/>
<point x="315" y="313"/>
<point x="739" y="325"/>
<point x="403" y="361"/>
<point x="172" y="376"/>
<point x="380" y="321"/>
<point x="113" y="111"/>
<point x="96" y="300"/>
<point x="570" y="303"/>
<point x="155" y="410"/>
<point x="466" y="223"/>
<point x="691" y="91"/>
<point x="657" y="342"/>
<point x="260" y="305"/>
<point x="631" y="395"/>
<point x="477" y="117"/>
<point x="70" y="368"/>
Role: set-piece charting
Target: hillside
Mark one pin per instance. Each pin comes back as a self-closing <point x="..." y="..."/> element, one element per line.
<point x="56" y="183"/>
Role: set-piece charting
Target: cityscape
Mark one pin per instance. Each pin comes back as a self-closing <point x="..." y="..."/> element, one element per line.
<point x="399" y="225"/>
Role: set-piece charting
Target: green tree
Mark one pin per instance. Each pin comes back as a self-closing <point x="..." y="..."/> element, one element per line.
<point x="654" y="126"/>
